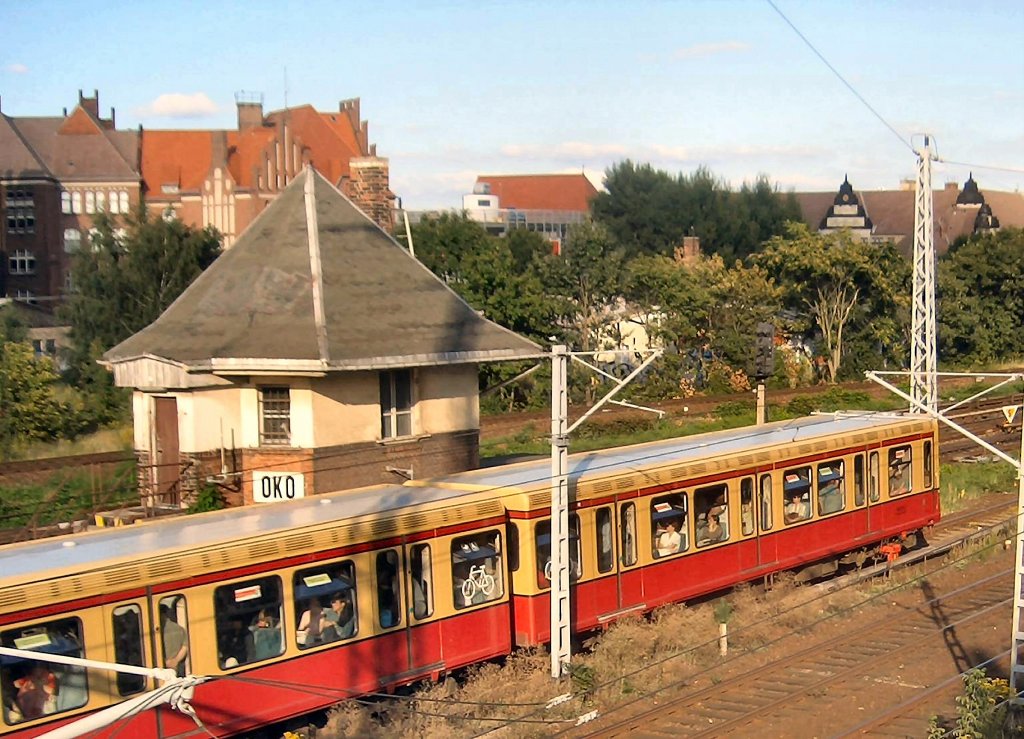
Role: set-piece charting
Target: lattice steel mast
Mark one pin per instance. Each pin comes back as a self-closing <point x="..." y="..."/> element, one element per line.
<point x="923" y="363"/>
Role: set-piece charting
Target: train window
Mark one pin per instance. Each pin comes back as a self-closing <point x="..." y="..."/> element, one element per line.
<point x="858" y="480"/>
<point x="247" y="618"/>
<point x="627" y="524"/>
<point x="422" y="587"/>
<point x="543" y="534"/>
<point x="32" y="688"/>
<point x="796" y="492"/>
<point x="513" y="547"/>
<point x="325" y="604"/>
<point x="831" y="487"/>
<point x="476" y="569"/>
<point x="712" y="522"/>
<point x="174" y="633"/>
<point x="747" y="506"/>
<point x="873" y="477"/>
<point x="127" y="628"/>
<point x="605" y="540"/>
<point x="899" y="470"/>
<point x="389" y="597"/>
<point x="669" y="526"/>
<point x="766" y="502"/>
<point x="928" y="477"/>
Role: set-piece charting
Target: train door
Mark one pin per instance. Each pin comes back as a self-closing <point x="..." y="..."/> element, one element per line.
<point x="128" y="624"/>
<point x="424" y="636"/>
<point x="767" y="545"/>
<point x="607" y="594"/>
<point x="630" y="576"/>
<point x="747" y="547"/>
<point x="874" y="519"/>
<point x="394" y="640"/>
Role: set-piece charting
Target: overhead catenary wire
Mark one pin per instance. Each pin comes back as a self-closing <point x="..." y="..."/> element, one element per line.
<point x="842" y="79"/>
<point x="738" y="655"/>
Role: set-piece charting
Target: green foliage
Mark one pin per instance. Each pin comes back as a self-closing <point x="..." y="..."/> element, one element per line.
<point x="124" y="281"/>
<point x="584" y="679"/>
<point x="982" y="708"/>
<point x="843" y="292"/>
<point x="66" y="496"/>
<point x="649" y="211"/>
<point x="30" y="406"/>
<point x="723" y="611"/>
<point x="980" y="295"/>
<point x="963" y="481"/>
<point x="833" y="399"/>
<point x="208" y="498"/>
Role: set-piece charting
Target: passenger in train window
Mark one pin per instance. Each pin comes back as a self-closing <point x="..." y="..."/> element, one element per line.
<point x="37" y="692"/>
<point x="715" y="531"/>
<point x="747" y="518"/>
<point x="234" y="642"/>
<point x="797" y="509"/>
<point x="310" y="624"/>
<point x="340" y="619"/>
<point x="266" y="637"/>
<point x="669" y="540"/>
<point x="175" y="641"/>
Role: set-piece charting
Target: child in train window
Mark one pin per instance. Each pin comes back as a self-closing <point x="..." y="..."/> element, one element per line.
<point x="712" y="507"/>
<point x="36" y="688"/>
<point x="899" y="470"/>
<point x="796" y="490"/>
<point x="669" y="525"/>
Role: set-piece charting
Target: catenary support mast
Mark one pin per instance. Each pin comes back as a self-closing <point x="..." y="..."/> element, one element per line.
<point x="923" y="364"/>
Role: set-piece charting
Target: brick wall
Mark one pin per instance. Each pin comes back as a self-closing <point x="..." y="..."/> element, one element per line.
<point x="369" y="188"/>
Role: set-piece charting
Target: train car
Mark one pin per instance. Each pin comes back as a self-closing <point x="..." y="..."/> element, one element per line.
<point x="671" y="520"/>
<point x="293" y="606"/>
<point x="289" y="607"/>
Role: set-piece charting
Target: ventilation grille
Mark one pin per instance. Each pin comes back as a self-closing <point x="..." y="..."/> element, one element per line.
<point x="262" y="550"/>
<point x="603" y="486"/>
<point x="13" y="598"/>
<point x="122" y="576"/>
<point x="625" y="483"/>
<point x="300" y="541"/>
<point x="163" y="567"/>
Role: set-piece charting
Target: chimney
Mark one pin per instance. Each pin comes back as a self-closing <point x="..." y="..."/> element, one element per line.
<point x="92" y="105"/>
<point x="250" y="109"/>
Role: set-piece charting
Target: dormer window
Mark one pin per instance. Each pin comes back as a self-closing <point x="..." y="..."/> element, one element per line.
<point x="395" y="403"/>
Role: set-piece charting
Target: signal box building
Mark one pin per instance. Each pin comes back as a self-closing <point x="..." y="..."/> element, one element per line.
<point x="314" y="355"/>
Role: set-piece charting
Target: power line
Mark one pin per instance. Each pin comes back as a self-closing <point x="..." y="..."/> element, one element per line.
<point x="842" y="79"/>
<point x="981" y="166"/>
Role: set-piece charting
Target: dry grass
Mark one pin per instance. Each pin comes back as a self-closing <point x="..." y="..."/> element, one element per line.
<point x="675" y="646"/>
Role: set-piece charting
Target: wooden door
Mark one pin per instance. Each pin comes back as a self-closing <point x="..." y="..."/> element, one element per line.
<point x="166" y="459"/>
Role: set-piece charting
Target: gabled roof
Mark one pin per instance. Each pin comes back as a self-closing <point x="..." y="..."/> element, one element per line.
<point x="571" y="192"/>
<point x="72" y="148"/>
<point x="892" y="212"/>
<point x="313" y="284"/>
<point x="16" y="157"/>
<point x="179" y="158"/>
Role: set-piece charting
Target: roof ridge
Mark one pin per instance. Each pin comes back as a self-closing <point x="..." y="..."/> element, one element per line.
<point x="315" y="265"/>
<point x="28" y="147"/>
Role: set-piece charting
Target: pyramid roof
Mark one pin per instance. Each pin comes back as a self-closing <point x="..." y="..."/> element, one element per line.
<point x="314" y="285"/>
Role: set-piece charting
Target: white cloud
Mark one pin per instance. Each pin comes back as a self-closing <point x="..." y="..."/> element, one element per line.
<point x="180" y="105"/>
<point x="570" y="149"/>
<point x="16" y="68"/>
<point x="700" y="50"/>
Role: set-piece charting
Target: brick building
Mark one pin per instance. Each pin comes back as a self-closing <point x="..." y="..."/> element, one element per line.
<point x="57" y="172"/>
<point x="314" y="355"/>
<point x="226" y="178"/>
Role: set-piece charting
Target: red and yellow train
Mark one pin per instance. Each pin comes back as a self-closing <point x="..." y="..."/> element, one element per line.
<point x="289" y="606"/>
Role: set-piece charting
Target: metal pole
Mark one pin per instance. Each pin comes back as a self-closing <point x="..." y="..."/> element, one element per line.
<point x="1017" y="634"/>
<point x="408" y="232"/>
<point x="760" y="404"/>
<point x="923" y="380"/>
<point x="561" y="649"/>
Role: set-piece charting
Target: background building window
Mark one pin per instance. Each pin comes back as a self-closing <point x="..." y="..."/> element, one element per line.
<point x="90" y="202"/>
<point x="21" y="213"/>
<point x="72" y="239"/>
<point x="76" y="202"/>
<point x="123" y="201"/>
<point x="275" y="412"/>
<point x="395" y="403"/>
<point x="65" y="202"/>
<point x="100" y="200"/>
<point x="22" y="262"/>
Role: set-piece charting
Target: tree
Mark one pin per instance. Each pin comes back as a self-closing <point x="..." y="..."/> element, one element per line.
<point x="650" y="211"/>
<point x="981" y="298"/>
<point x="128" y="278"/>
<point x="836" y="283"/>
<point x="30" y="409"/>
<point x="443" y="243"/>
<point x="587" y="279"/>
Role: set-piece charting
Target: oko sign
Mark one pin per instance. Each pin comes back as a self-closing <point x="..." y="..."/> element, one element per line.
<point x="274" y="487"/>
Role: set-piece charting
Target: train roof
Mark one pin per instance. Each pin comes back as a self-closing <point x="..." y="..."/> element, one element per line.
<point x="471" y="495"/>
<point x="82" y="551"/>
<point x="536" y="474"/>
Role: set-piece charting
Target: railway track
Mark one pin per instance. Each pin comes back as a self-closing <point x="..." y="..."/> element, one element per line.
<point x="871" y="659"/>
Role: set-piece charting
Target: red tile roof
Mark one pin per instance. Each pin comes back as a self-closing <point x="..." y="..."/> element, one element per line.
<point x="541" y="191"/>
<point x="179" y="158"/>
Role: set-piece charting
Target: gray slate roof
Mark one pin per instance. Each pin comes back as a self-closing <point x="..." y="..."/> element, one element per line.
<point x="256" y="307"/>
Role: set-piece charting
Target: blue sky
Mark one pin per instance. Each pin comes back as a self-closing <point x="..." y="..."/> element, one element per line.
<point x="455" y="89"/>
